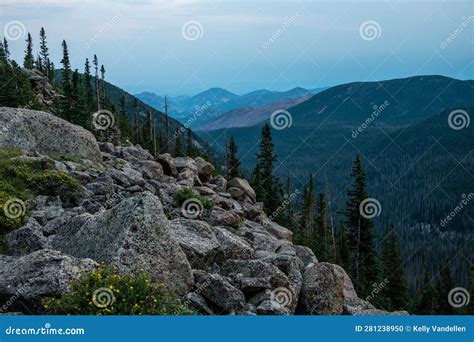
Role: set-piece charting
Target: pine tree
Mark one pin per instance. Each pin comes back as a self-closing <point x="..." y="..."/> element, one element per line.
<point x="445" y="284"/>
<point x="67" y="102"/>
<point x="103" y="97"/>
<point x="343" y="254"/>
<point x="190" y="150"/>
<point x="6" y="49"/>
<point x="178" y="145"/>
<point x="44" y="66"/>
<point x="88" y="90"/>
<point x="323" y="231"/>
<point x="256" y="183"/>
<point x="396" y="290"/>
<point x="233" y="163"/>
<point x="95" y="62"/>
<point x="80" y="112"/>
<point x="265" y="159"/>
<point x="28" y="61"/>
<point x="364" y="268"/>
<point x="427" y="305"/>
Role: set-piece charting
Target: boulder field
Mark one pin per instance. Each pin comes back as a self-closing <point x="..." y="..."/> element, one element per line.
<point x="224" y="258"/>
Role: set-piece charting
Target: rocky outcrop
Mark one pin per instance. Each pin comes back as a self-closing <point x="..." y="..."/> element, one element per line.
<point x="133" y="235"/>
<point x="45" y="93"/>
<point x="225" y="257"/>
<point x="26" y="280"/>
<point x="45" y="133"/>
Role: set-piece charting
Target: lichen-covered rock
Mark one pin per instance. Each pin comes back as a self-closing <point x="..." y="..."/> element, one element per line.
<point x="253" y="276"/>
<point x="45" y="133"/>
<point x="27" y="239"/>
<point x="233" y="246"/>
<point x="166" y="161"/>
<point x="220" y="216"/>
<point x="306" y="255"/>
<point x="220" y="292"/>
<point x="243" y="185"/>
<point x="198" y="242"/>
<point x="133" y="153"/>
<point x="205" y="169"/>
<point x="323" y="291"/>
<point x="133" y="235"/>
<point x="220" y="182"/>
<point x="44" y="273"/>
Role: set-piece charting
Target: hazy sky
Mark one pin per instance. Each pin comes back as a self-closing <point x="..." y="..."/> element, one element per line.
<point x="183" y="47"/>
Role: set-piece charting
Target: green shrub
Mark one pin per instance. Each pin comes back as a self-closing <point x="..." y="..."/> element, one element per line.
<point x="7" y="222"/>
<point x="27" y="178"/>
<point x="105" y="292"/>
<point x="187" y="193"/>
<point x="53" y="183"/>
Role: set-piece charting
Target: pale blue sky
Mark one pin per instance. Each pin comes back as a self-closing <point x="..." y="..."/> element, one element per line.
<point x="248" y="45"/>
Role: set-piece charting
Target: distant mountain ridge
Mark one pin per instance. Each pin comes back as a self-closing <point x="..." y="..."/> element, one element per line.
<point x="214" y="102"/>
<point x="418" y="167"/>
<point x="250" y="116"/>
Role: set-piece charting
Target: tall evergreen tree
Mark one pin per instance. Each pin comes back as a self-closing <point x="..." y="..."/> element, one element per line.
<point x="396" y="290"/>
<point x="427" y="304"/>
<point x="178" y="146"/>
<point x="88" y="90"/>
<point x="265" y="159"/>
<point x="44" y="54"/>
<point x="190" y="150"/>
<point x="67" y="102"/>
<point x="233" y="163"/>
<point x="444" y="286"/>
<point x="6" y="49"/>
<point x="28" y="61"/>
<point x="324" y="247"/>
<point x="103" y="97"/>
<point x="365" y="269"/>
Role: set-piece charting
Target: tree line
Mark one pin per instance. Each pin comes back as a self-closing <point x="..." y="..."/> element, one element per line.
<point x="376" y="270"/>
<point x="82" y="95"/>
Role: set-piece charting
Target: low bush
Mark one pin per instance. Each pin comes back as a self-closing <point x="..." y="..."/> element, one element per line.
<point x="106" y="292"/>
<point x="187" y="193"/>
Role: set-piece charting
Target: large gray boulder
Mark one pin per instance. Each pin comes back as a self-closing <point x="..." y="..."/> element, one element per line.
<point x="133" y="235"/>
<point x="45" y="133"/>
<point x="27" y="239"/>
<point x="43" y="273"/>
<point x="323" y="289"/>
<point x="220" y="292"/>
<point x="253" y="276"/>
<point x="233" y="246"/>
<point x="243" y="185"/>
<point x="198" y="242"/>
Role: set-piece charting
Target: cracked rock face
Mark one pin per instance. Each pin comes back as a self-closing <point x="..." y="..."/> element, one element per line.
<point x="229" y="259"/>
